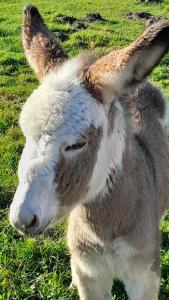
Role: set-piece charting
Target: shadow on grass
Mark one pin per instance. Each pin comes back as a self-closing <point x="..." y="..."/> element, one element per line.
<point x="64" y="31"/>
<point x="6" y="196"/>
<point x="2" y="20"/>
<point x="12" y="65"/>
<point x="119" y="290"/>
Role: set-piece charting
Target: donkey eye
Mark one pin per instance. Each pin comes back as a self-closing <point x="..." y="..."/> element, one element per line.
<point x="74" y="147"/>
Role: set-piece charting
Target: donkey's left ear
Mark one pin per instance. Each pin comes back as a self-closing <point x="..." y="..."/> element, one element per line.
<point x="42" y="52"/>
<point x="123" y="68"/>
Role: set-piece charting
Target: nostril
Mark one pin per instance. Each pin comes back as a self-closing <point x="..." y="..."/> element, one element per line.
<point x="34" y="222"/>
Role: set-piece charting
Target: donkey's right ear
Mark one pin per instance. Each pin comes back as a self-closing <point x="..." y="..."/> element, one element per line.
<point x="122" y="69"/>
<point x="42" y="52"/>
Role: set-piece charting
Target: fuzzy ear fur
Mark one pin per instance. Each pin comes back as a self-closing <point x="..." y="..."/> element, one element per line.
<point x="42" y="52"/>
<point x="123" y="68"/>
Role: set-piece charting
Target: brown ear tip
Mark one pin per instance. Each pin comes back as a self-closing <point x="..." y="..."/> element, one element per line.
<point x="31" y="10"/>
<point x="163" y="23"/>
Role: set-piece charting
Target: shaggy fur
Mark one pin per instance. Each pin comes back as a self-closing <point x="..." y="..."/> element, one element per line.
<point x="96" y="149"/>
<point x="42" y="51"/>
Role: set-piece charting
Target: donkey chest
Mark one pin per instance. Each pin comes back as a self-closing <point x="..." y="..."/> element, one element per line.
<point x="88" y="234"/>
<point x="95" y="257"/>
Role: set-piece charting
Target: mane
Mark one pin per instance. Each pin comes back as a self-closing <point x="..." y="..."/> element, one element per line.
<point x="72" y="71"/>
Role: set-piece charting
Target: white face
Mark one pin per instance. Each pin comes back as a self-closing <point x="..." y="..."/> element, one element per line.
<point x="68" y="153"/>
<point x="70" y="148"/>
<point x="62" y="125"/>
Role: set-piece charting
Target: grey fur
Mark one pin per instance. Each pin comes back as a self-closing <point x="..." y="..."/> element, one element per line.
<point x="116" y="233"/>
<point x="136" y="198"/>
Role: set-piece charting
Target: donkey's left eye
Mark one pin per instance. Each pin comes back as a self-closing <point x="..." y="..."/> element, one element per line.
<point x="74" y="147"/>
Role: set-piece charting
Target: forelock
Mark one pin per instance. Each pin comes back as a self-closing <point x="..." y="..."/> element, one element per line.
<point x="61" y="99"/>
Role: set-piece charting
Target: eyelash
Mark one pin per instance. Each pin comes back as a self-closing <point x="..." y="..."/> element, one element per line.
<point x="76" y="146"/>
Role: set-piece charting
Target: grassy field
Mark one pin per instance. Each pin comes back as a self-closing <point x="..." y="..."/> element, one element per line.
<point x="39" y="269"/>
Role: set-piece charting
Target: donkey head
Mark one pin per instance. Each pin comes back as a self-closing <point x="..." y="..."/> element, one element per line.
<point x="74" y="123"/>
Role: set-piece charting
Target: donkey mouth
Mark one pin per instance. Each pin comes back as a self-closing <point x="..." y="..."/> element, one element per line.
<point x="35" y="232"/>
<point x="41" y="230"/>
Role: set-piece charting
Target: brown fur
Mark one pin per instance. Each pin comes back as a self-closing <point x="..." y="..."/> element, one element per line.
<point x="142" y="182"/>
<point x="121" y="225"/>
<point x="135" y="202"/>
<point x="42" y="52"/>
<point x="115" y="62"/>
<point x="74" y="175"/>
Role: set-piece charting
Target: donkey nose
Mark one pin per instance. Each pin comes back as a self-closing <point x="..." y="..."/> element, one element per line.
<point x="33" y="222"/>
<point x="27" y="222"/>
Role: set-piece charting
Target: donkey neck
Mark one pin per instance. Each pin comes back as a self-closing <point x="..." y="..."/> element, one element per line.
<point x="110" y="208"/>
<point x="110" y="152"/>
<point x="112" y="212"/>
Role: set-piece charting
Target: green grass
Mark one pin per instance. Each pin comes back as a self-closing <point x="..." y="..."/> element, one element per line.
<point x="39" y="269"/>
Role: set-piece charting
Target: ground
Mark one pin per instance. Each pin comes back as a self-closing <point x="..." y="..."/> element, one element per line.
<point x="39" y="269"/>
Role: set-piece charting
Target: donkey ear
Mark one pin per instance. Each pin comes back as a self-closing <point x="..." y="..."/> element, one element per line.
<point x="121" y="69"/>
<point x="146" y="52"/>
<point x="42" y="52"/>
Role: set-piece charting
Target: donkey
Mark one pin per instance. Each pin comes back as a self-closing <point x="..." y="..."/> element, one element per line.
<point x="96" y="149"/>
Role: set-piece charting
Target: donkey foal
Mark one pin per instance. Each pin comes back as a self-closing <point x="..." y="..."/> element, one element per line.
<point x="96" y="149"/>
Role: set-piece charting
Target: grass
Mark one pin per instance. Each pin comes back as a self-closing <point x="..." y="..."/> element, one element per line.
<point x="39" y="269"/>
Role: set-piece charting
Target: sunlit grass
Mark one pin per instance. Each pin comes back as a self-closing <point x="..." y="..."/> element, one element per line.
<point x="39" y="269"/>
